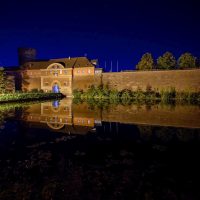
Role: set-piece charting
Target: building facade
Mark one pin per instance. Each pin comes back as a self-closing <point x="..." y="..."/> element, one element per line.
<point x="57" y="75"/>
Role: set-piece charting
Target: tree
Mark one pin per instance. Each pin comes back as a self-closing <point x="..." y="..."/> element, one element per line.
<point x="166" y="61"/>
<point x="198" y="62"/>
<point x="186" y="60"/>
<point x="2" y="80"/>
<point x="146" y="62"/>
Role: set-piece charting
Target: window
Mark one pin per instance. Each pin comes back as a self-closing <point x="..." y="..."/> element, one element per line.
<point x="83" y="71"/>
<point x="46" y="108"/>
<point x="78" y="71"/>
<point x="65" y="83"/>
<point x="65" y="108"/>
<point x="55" y="73"/>
<point x="65" y="71"/>
<point x="89" y="71"/>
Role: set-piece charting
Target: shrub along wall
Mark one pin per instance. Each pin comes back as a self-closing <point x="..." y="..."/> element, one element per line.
<point x="12" y="97"/>
<point x="181" y="80"/>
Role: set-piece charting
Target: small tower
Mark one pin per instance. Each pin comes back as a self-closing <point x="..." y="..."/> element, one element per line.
<point x="26" y="54"/>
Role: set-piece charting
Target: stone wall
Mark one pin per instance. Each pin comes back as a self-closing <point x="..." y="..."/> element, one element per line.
<point x="182" y="80"/>
<point x="83" y="82"/>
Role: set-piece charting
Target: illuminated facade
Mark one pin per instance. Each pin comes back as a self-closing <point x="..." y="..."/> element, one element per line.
<point x="57" y="75"/>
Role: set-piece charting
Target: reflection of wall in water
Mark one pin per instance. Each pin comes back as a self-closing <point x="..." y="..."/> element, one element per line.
<point x="81" y="115"/>
<point x="84" y="116"/>
<point x="158" y="114"/>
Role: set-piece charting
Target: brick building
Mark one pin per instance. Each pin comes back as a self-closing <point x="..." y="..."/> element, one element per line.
<point x="55" y="75"/>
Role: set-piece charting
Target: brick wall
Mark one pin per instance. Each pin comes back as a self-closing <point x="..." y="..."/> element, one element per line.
<point x="179" y="79"/>
<point x="82" y="82"/>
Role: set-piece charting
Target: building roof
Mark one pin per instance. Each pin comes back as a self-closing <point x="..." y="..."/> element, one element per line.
<point x="11" y="68"/>
<point x="66" y="62"/>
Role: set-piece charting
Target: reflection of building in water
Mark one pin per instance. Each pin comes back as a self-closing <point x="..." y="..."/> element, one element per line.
<point x="58" y="115"/>
<point x="67" y="117"/>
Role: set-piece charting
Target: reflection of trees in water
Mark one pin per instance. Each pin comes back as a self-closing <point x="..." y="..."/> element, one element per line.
<point x="184" y="135"/>
<point x="168" y="134"/>
<point x="145" y="132"/>
<point x="16" y="108"/>
<point x="1" y="119"/>
<point x="4" y="112"/>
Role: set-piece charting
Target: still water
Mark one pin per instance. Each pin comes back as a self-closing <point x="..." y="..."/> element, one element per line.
<point x="62" y="150"/>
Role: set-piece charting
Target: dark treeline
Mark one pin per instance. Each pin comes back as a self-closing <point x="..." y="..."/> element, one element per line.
<point x="168" y="62"/>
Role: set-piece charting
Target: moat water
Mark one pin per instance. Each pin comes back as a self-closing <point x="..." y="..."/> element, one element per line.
<point x="65" y="150"/>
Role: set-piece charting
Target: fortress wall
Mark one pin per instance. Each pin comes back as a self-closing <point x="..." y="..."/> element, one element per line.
<point x="82" y="82"/>
<point x="31" y="83"/>
<point x="181" y="80"/>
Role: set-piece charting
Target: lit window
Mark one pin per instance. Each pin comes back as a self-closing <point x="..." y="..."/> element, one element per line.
<point x="89" y="71"/>
<point x="65" y="108"/>
<point x="55" y="73"/>
<point x="78" y="71"/>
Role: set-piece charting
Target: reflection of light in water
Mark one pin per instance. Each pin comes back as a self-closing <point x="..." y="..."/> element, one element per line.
<point x="55" y="104"/>
<point x="93" y="130"/>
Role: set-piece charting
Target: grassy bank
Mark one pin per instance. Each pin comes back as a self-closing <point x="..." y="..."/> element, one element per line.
<point x="101" y="93"/>
<point x="19" y="96"/>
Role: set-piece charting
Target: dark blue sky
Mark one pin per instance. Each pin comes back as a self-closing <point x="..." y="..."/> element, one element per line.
<point x="107" y="30"/>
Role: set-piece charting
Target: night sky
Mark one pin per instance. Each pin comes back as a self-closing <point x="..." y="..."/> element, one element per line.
<point x="109" y="30"/>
